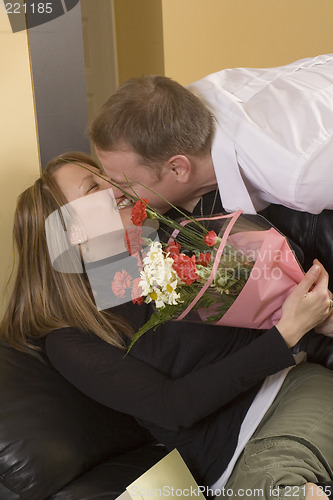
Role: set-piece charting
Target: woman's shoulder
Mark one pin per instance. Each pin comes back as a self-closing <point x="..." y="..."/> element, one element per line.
<point x="73" y="351"/>
<point x="65" y="334"/>
<point x="68" y="341"/>
<point x="63" y="341"/>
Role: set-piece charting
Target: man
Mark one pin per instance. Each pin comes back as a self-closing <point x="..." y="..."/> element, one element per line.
<point x="257" y="136"/>
<point x="261" y="135"/>
<point x="154" y="131"/>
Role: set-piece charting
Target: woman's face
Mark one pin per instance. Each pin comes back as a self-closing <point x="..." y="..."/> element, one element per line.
<point x="75" y="181"/>
<point x="95" y="221"/>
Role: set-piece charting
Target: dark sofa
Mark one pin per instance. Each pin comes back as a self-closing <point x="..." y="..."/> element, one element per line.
<point x="312" y="233"/>
<point x="56" y="443"/>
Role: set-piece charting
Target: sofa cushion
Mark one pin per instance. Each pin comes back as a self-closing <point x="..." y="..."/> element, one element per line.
<point x="313" y="233"/>
<point x="109" y="479"/>
<point x="50" y="433"/>
<point x="7" y="494"/>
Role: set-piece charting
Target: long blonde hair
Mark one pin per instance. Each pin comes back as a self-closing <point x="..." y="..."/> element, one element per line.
<point x="44" y="299"/>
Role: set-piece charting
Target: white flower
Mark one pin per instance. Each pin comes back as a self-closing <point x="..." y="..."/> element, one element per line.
<point x="159" y="280"/>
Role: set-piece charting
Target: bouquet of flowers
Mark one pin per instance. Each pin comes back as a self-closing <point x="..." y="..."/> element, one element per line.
<point x="225" y="269"/>
<point x="228" y="269"/>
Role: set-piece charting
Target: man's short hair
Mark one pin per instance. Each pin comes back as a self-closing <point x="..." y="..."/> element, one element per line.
<point x="156" y="117"/>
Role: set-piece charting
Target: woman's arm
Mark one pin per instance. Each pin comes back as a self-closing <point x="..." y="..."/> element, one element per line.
<point x="124" y="383"/>
<point x="127" y="384"/>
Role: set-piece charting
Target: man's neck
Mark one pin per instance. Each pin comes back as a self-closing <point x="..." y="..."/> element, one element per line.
<point x="203" y="175"/>
<point x="203" y="180"/>
<point x="190" y="204"/>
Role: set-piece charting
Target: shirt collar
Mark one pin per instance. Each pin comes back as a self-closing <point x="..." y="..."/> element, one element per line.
<point x="231" y="185"/>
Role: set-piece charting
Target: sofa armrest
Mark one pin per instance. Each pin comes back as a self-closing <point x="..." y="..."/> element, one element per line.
<point x="50" y="433"/>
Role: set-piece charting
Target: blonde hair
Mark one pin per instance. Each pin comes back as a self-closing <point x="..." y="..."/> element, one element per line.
<point x="44" y="299"/>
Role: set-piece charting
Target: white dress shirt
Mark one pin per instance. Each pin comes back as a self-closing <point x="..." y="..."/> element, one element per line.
<point x="274" y="134"/>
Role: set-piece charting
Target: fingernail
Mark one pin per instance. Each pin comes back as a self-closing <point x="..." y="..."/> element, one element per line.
<point x="316" y="268"/>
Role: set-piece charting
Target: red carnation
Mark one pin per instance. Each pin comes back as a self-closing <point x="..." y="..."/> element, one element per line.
<point x="203" y="259"/>
<point x="139" y="213"/>
<point x="210" y="238"/>
<point x="137" y="292"/>
<point x="185" y="268"/>
<point x="173" y="248"/>
<point x="121" y="281"/>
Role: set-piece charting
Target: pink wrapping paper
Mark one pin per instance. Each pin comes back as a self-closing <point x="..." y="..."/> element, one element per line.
<point x="275" y="273"/>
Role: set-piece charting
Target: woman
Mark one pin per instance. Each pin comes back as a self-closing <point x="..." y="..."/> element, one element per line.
<point x="193" y="388"/>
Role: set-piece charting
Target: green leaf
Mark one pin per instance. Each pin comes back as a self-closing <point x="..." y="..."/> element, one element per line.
<point x="158" y="318"/>
<point x="187" y="294"/>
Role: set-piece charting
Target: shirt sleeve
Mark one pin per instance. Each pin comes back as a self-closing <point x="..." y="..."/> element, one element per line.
<point x="274" y="136"/>
<point x="124" y="383"/>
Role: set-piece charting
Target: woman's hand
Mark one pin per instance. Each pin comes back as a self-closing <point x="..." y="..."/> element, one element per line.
<point x="306" y="307"/>
<point x="326" y="328"/>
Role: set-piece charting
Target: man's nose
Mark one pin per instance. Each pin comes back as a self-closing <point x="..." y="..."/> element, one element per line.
<point x="110" y="184"/>
<point x="117" y="192"/>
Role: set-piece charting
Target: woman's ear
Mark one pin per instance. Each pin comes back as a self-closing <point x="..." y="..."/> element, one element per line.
<point x="180" y="167"/>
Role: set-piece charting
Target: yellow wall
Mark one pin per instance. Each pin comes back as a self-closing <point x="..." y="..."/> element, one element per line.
<point x="19" y="162"/>
<point x="204" y="36"/>
<point x="188" y="39"/>
<point x="139" y="37"/>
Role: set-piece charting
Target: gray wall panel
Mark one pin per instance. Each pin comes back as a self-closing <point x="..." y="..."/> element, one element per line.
<point x="59" y="84"/>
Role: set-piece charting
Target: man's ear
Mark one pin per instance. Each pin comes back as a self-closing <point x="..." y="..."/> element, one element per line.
<point x="180" y="167"/>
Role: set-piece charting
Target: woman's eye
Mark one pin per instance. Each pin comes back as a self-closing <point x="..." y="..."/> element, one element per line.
<point x="92" y="187"/>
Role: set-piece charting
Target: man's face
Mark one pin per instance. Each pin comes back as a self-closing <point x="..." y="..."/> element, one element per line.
<point x="123" y="167"/>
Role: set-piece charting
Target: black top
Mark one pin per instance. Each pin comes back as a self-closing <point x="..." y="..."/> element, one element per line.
<point x="189" y="384"/>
